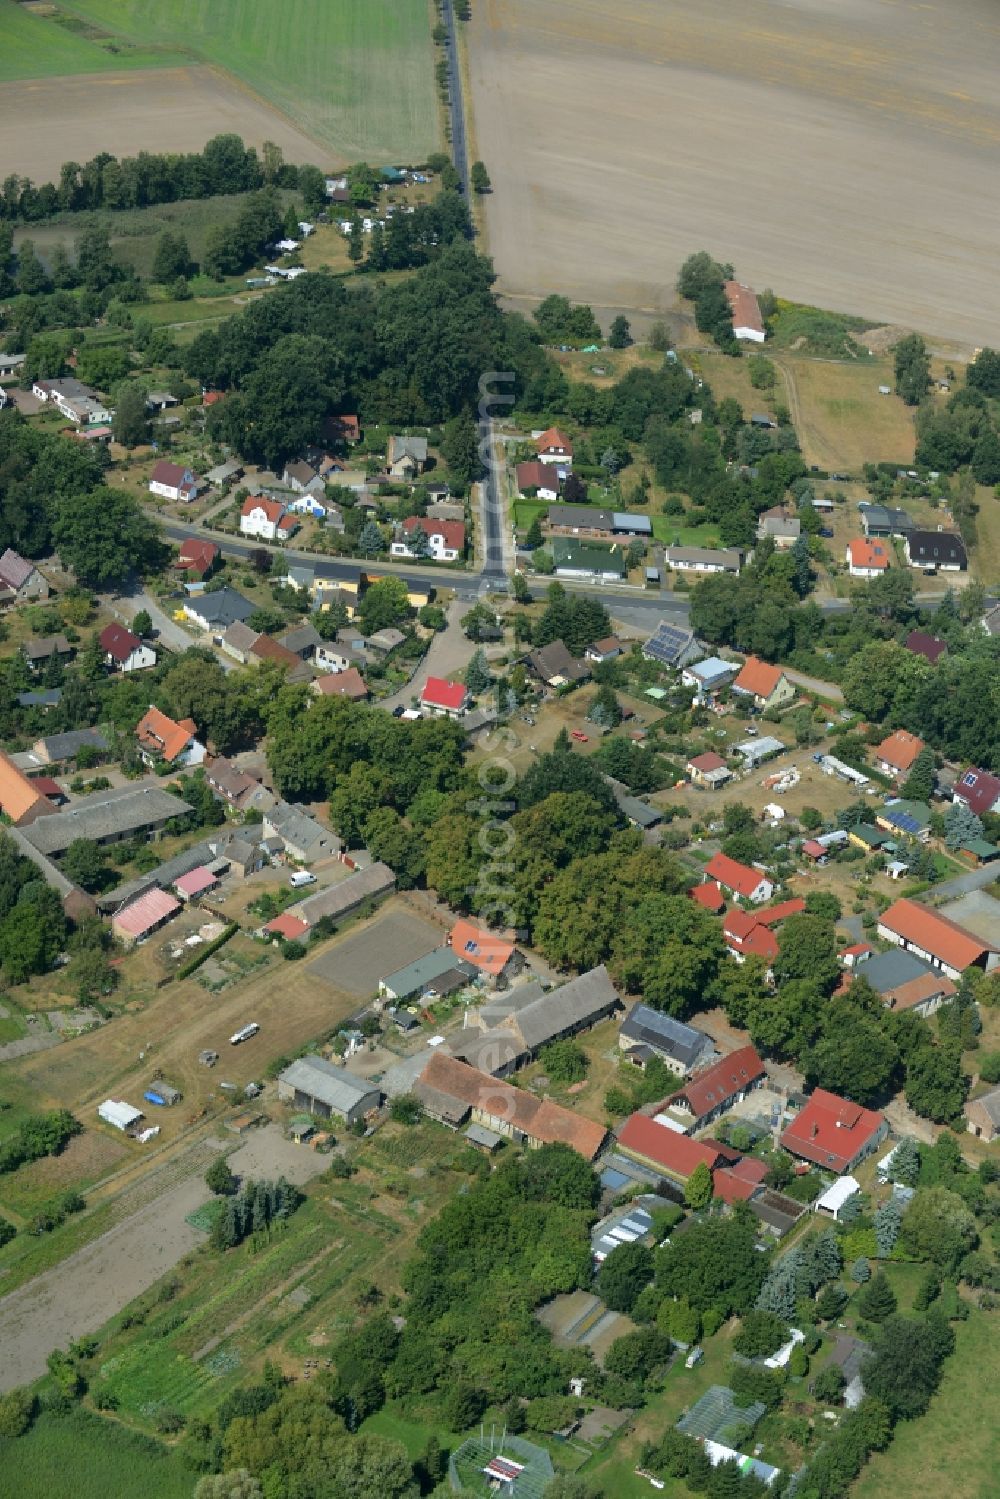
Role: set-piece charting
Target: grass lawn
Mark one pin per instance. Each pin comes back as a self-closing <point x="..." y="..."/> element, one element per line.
<point x="102" y="1458"/>
<point x="356" y="74"/>
<point x="33" y="46"/>
<point x="955" y="1447"/>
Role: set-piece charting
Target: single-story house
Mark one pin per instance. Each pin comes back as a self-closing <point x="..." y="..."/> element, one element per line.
<point x="554" y="665"/>
<point x="265" y="648"/>
<point x="300" y="477"/>
<point x="680" y="1046"/>
<point x="77" y="402"/>
<point x="443" y="699"/>
<point x="172" y="481"/>
<point x="905" y="816"/>
<point x="703" y="559"/>
<point x="537" y="478"/>
<point x="979" y="790"/>
<point x="748" y="325"/>
<point x="942" y="943"/>
<point x="868" y="838"/>
<point x="780" y="527"/>
<point x="135" y="922"/>
<point x="982" y="1115"/>
<point x="20" y="579"/>
<point x="317" y="1086"/>
<point x="197" y="557"/>
<point x="664" y="1150"/>
<point x="709" y="675"/>
<point x="164" y="741"/>
<point x="766" y="684"/>
<point x="225" y="473"/>
<point x="218" y="608"/>
<point x="406" y="457"/>
<point x="604" y="650"/>
<point x="709" y="1093"/>
<point x="672" y="645"/>
<point x="936" y="551"/>
<point x="237" y="641"/>
<point x="578" y="559"/>
<point x="40" y="650"/>
<point x="286" y="928"/>
<point x="709" y="770"/>
<point x="43" y="698"/>
<point x="709" y="897"/>
<point x="495" y="958"/>
<point x="896" y="754"/>
<point x="740" y="879"/>
<point x="866" y="558"/>
<point x="386" y="640"/>
<point x="580" y="520"/>
<point x="345" y="428"/>
<point x="432" y="976"/>
<point x="920" y="643"/>
<point x="833" y="1132"/>
<point x="124" y="651"/>
<point x="348" y="683"/>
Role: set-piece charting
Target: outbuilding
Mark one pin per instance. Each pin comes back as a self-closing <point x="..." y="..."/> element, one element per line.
<point x="317" y="1086"/>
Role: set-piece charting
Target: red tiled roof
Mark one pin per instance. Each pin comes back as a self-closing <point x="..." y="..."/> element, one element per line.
<point x="813" y="849"/>
<point x="349" y="683"/>
<point x="729" y="1187"/>
<point x="724" y="1079"/>
<point x="739" y="925"/>
<point x="197" y="556"/>
<point x="831" y="1131"/>
<point x="706" y="762"/>
<point x="273" y="509"/>
<point x="266" y="649"/>
<point x="545" y="1121"/>
<point x="899" y="750"/>
<point x="536" y="475"/>
<point x="48" y="787"/>
<point x="160" y="734"/>
<point x="735" y="876"/>
<point x="442" y="694"/>
<point x="757" y="677"/>
<point x="868" y="554"/>
<point x="119" y="643"/>
<point x="212" y="396"/>
<point x="708" y="895"/>
<point x="750" y="1169"/>
<point x="554" y="440"/>
<point x="855" y="950"/>
<point x="744" y="306"/>
<point x="915" y="991"/>
<point x="675" y="1153"/>
<point x="758" y="940"/>
<point x="773" y="915"/>
<point x="288" y="926"/>
<point x="452" y="532"/>
<point x="486" y="951"/>
<point x="979" y="788"/>
<point x="934" y="933"/>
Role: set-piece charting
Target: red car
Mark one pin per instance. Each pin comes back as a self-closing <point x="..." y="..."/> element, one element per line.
<point x="579" y="735"/>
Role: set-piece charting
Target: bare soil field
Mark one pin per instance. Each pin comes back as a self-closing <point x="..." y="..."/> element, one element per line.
<point x="43" y="121"/>
<point x="843" y="153"/>
<point x="389" y="941"/>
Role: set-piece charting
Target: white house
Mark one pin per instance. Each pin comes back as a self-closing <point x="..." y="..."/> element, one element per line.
<point x="124" y="651"/>
<point x="266" y="518"/>
<point x="445" y="539"/>
<point x="703" y="560"/>
<point x="172" y="482"/>
<point x="867" y="559"/>
<point x="74" y="400"/>
<point x="443" y="699"/>
<point x="555" y="447"/>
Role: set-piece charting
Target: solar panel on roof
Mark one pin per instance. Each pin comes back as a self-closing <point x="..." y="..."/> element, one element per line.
<point x="666" y="641"/>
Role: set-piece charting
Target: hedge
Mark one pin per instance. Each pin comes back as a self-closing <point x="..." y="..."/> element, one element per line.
<point x="199" y="957"/>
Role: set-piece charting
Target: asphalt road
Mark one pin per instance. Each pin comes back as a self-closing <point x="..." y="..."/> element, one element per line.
<point x="459" y="149"/>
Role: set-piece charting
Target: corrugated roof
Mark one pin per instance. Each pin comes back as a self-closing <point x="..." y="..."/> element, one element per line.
<point x="146" y="913"/>
<point x="195" y="881"/>
<point x="106" y="814"/>
<point x="334" y="1086"/>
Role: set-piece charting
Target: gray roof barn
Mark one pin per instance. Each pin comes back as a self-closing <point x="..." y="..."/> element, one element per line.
<point x="57" y="747"/>
<point x="572" y="1007"/>
<point x="106" y="815"/>
<point x="340" y="900"/>
<point x="304" y="837"/>
<point x="339" y="1090"/>
<point x="888" y="970"/>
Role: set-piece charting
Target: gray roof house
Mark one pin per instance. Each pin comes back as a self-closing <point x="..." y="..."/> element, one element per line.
<point x="43" y="647"/>
<point x="554" y="665"/>
<point x="107" y="817"/>
<point x="218" y="609"/>
<point x="681" y="1047"/>
<point x="302" y="642"/>
<point x="565" y="1011"/>
<point x="313" y="1084"/>
<point x="782" y="529"/>
<point x="56" y="748"/>
<point x="882" y="520"/>
<point x="304" y="838"/>
<point x="407" y="456"/>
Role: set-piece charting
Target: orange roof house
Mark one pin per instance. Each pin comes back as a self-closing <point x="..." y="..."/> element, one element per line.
<point x="349" y="683"/>
<point x="896" y="754"/>
<point x="867" y="558"/>
<point x="665" y="1150"/>
<point x="944" y="944"/>
<point x="554" y="446"/>
<point x="766" y="684"/>
<point x="489" y="953"/>
<point x="709" y="1093"/>
<point x="20" y="798"/>
<point x="450" y="1090"/>
<point x="747" y="321"/>
<point x="709" y="896"/>
<point x="160" y="738"/>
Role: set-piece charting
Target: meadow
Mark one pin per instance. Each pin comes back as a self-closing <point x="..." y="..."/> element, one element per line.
<point x="356" y="75"/>
<point x="35" y="45"/>
<point x="102" y="1458"/>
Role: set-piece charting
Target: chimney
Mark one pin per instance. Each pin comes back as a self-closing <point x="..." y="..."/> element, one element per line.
<point x="813" y="1131"/>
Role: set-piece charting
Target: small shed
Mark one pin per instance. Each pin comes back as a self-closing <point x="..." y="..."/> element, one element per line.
<point x="195" y="883"/>
<point x="144" y="916"/>
<point x="162" y="1094"/>
<point x="122" y="1115"/>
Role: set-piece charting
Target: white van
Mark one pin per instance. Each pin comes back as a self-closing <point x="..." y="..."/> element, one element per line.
<point x="301" y="877"/>
<point x="244" y="1033"/>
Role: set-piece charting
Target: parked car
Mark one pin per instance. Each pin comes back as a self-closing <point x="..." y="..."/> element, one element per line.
<point x="825" y="531"/>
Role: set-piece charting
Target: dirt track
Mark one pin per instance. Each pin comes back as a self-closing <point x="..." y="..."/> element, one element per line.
<point x="844" y="152"/>
<point x="46" y="121"/>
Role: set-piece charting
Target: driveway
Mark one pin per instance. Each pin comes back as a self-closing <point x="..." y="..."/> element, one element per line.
<point x="448" y="655"/>
<point x="829" y="690"/>
<point x="167" y="630"/>
<point x="962" y="884"/>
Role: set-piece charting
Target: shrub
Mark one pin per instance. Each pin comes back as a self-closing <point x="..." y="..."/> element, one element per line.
<point x="760" y="1334"/>
<point x="17" y="1411"/>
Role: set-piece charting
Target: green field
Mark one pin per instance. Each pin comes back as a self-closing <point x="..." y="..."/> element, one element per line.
<point x="91" y="1459"/>
<point x="355" y="74"/>
<point x="33" y="46"/>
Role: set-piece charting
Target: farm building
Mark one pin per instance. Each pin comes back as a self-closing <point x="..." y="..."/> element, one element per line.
<point x="20" y="798"/>
<point x="195" y="883"/>
<point x="942" y="943"/>
<point x="680" y="1046"/>
<point x="665" y="1150"/>
<point x="318" y="1087"/>
<point x="710" y="1093"/>
<point x="748" y="325"/>
<point x="450" y="1091"/>
<point x="135" y="922"/>
<point x="433" y="976"/>
<point x="337" y="902"/>
<point x="122" y="1115"/>
<point x="108" y="817"/>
